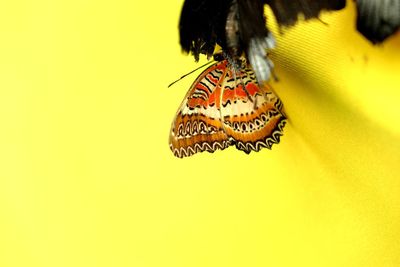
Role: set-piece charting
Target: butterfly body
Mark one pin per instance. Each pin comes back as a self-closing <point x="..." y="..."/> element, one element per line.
<point x="225" y="106"/>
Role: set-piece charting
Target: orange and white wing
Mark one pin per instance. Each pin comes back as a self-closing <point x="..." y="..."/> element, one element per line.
<point x="252" y="114"/>
<point x="197" y="126"/>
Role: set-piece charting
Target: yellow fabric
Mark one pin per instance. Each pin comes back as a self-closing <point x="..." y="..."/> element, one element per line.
<point x="87" y="178"/>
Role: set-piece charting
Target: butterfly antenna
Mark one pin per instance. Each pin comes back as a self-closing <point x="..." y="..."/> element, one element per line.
<point x="202" y="66"/>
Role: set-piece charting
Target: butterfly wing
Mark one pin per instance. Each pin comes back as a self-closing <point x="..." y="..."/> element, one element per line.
<point x="197" y="126"/>
<point x="287" y="11"/>
<point x="202" y="26"/>
<point x="251" y="113"/>
<point x="378" y="19"/>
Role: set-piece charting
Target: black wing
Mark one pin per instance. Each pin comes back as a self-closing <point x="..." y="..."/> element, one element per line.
<point x="378" y="19"/>
<point x="287" y="11"/>
<point x="202" y="25"/>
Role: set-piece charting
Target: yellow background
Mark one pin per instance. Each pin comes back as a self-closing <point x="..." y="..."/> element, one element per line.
<point x="87" y="178"/>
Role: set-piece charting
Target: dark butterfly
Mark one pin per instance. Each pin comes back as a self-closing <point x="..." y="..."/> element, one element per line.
<point x="239" y="26"/>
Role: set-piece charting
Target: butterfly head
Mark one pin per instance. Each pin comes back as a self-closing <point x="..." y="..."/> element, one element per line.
<point x="235" y="63"/>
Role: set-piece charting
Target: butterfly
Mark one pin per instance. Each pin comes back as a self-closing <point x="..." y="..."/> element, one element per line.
<point x="225" y="106"/>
